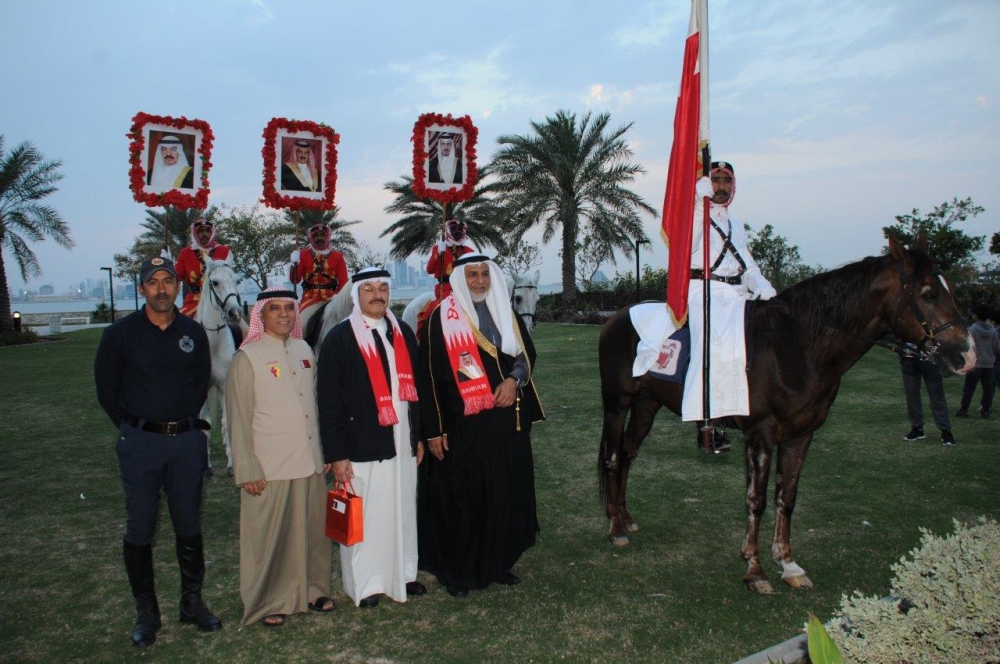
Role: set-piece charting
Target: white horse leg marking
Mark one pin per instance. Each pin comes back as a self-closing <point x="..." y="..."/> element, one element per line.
<point x="790" y="569"/>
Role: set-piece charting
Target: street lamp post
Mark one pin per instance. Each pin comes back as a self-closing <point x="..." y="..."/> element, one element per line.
<point x="637" y="243"/>
<point x="111" y="282"/>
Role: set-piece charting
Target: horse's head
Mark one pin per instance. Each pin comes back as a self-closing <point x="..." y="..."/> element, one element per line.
<point x="924" y="313"/>
<point x="219" y="292"/>
<point x="524" y="297"/>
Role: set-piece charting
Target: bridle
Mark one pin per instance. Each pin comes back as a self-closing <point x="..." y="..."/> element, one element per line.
<point x="927" y="347"/>
<point x="221" y="303"/>
<point x="513" y="292"/>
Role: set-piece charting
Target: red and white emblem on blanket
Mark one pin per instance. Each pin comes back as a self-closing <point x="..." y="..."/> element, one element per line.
<point x="458" y="339"/>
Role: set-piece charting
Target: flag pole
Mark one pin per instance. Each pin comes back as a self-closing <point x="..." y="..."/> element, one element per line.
<point x="707" y="430"/>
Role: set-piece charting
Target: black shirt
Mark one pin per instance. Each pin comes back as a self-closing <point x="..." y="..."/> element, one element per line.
<point x="154" y="374"/>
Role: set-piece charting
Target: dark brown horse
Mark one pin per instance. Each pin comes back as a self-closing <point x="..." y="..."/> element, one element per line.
<point x="801" y="344"/>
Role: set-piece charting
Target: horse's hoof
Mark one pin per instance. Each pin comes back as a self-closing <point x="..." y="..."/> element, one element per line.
<point x="759" y="586"/>
<point x="230" y="471"/>
<point x="209" y="472"/>
<point x="618" y="540"/>
<point x="800" y="581"/>
<point x="631" y="526"/>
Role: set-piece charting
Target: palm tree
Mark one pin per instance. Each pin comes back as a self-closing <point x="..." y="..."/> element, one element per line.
<point x="25" y="179"/>
<point x="420" y="226"/>
<point x="169" y="228"/>
<point x="574" y="176"/>
<point x="341" y="239"/>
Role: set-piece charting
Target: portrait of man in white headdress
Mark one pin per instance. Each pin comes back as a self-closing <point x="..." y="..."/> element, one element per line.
<point x="171" y="161"/>
<point x="444" y="165"/>
<point x="301" y="168"/>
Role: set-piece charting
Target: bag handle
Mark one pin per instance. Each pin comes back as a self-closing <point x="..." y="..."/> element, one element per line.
<point x="347" y="486"/>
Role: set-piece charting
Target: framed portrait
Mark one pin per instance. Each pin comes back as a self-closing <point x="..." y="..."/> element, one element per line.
<point x="300" y="164"/>
<point x="169" y="161"/>
<point x="444" y="158"/>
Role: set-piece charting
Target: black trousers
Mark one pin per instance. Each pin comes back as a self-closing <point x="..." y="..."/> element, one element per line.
<point x="151" y="462"/>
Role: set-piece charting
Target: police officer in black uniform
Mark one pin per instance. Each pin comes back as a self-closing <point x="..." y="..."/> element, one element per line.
<point x="152" y="372"/>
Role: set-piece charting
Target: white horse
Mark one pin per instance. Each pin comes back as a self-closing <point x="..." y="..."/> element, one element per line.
<point x="337" y="309"/>
<point x="523" y="291"/>
<point x="218" y="308"/>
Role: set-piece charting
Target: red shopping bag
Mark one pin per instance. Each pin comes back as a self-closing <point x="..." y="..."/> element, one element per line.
<point x="344" y="516"/>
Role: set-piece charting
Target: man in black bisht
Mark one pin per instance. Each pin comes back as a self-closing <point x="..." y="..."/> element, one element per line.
<point x="476" y="488"/>
<point x="152" y="372"/>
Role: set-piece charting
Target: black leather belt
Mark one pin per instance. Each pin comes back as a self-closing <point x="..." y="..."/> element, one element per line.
<point x="168" y="428"/>
<point x="733" y="281"/>
<point x="308" y="286"/>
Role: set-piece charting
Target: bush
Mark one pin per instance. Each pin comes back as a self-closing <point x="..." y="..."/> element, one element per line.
<point x="945" y="604"/>
<point x="25" y="336"/>
<point x="101" y="313"/>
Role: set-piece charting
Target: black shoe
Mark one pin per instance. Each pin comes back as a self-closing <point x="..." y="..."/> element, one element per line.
<point x="369" y="602"/>
<point x="191" y="559"/>
<point x="509" y="579"/>
<point x="985" y="414"/>
<point x="415" y="588"/>
<point x="962" y="413"/>
<point x="139" y="566"/>
<point x="916" y="433"/>
<point x="947" y="438"/>
<point x="458" y="591"/>
<point x="720" y="442"/>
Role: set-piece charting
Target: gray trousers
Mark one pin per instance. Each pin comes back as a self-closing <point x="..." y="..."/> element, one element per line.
<point x="913" y="370"/>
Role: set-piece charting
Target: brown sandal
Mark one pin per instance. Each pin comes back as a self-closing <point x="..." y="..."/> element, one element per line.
<point x="274" y="620"/>
<point x="322" y="604"/>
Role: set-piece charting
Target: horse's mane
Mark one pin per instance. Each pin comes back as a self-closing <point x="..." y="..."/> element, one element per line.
<point x="835" y="297"/>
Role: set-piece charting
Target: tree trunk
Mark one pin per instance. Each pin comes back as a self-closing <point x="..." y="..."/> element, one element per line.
<point x="6" y="324"/>
<point x="569" y="261"/>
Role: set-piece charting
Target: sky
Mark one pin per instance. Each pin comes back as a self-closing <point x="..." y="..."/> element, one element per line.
<point x="836" y="115"/>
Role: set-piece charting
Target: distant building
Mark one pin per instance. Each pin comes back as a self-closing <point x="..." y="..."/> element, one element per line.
<point x="46" y="289"/>
<point x="600" y="277"/>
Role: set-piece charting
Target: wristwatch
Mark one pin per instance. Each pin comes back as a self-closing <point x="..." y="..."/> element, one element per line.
<point x="518" y="383"/>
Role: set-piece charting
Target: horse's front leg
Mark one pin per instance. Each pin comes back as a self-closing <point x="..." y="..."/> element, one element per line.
<point x="206" y="414"/>
<point x="791" y="458"/>
<point x="758" y="468"/>
<point x="224" y="420"/>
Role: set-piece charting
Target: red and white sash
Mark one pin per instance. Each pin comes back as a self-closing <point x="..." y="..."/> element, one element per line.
<point x="376" y="375"/>
<point x="476" y="393"/>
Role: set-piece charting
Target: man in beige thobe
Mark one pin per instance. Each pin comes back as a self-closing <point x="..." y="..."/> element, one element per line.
<point x="285" y="557"/>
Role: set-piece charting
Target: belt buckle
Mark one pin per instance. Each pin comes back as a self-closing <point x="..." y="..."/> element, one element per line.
<point x="170" y="428"/>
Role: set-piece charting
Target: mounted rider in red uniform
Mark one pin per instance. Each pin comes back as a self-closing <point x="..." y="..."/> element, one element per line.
<point x="190" y="262"/>
<point x="320" y="269"/>
<point x="442" y="261"/>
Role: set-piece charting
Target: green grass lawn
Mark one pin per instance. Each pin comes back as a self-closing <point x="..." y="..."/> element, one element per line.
<point x="674" y="594"/>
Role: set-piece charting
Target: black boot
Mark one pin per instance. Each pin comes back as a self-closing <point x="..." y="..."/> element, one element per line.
<point x="191" y="558"/>
<point x="139" y="566"/>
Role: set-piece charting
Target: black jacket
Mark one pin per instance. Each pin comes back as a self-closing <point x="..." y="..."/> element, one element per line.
<point x="348" y="418"/>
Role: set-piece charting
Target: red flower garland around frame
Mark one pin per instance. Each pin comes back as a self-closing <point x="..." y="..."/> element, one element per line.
<point x="137" y="171"/>
<point x="420" y="157"/>
<point x="271" y="197"/>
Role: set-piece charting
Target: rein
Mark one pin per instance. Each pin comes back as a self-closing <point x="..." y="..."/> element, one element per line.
<point x="927" y="348"/>
<point x="221" y="302"/>
<point x="525" y="314"/>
